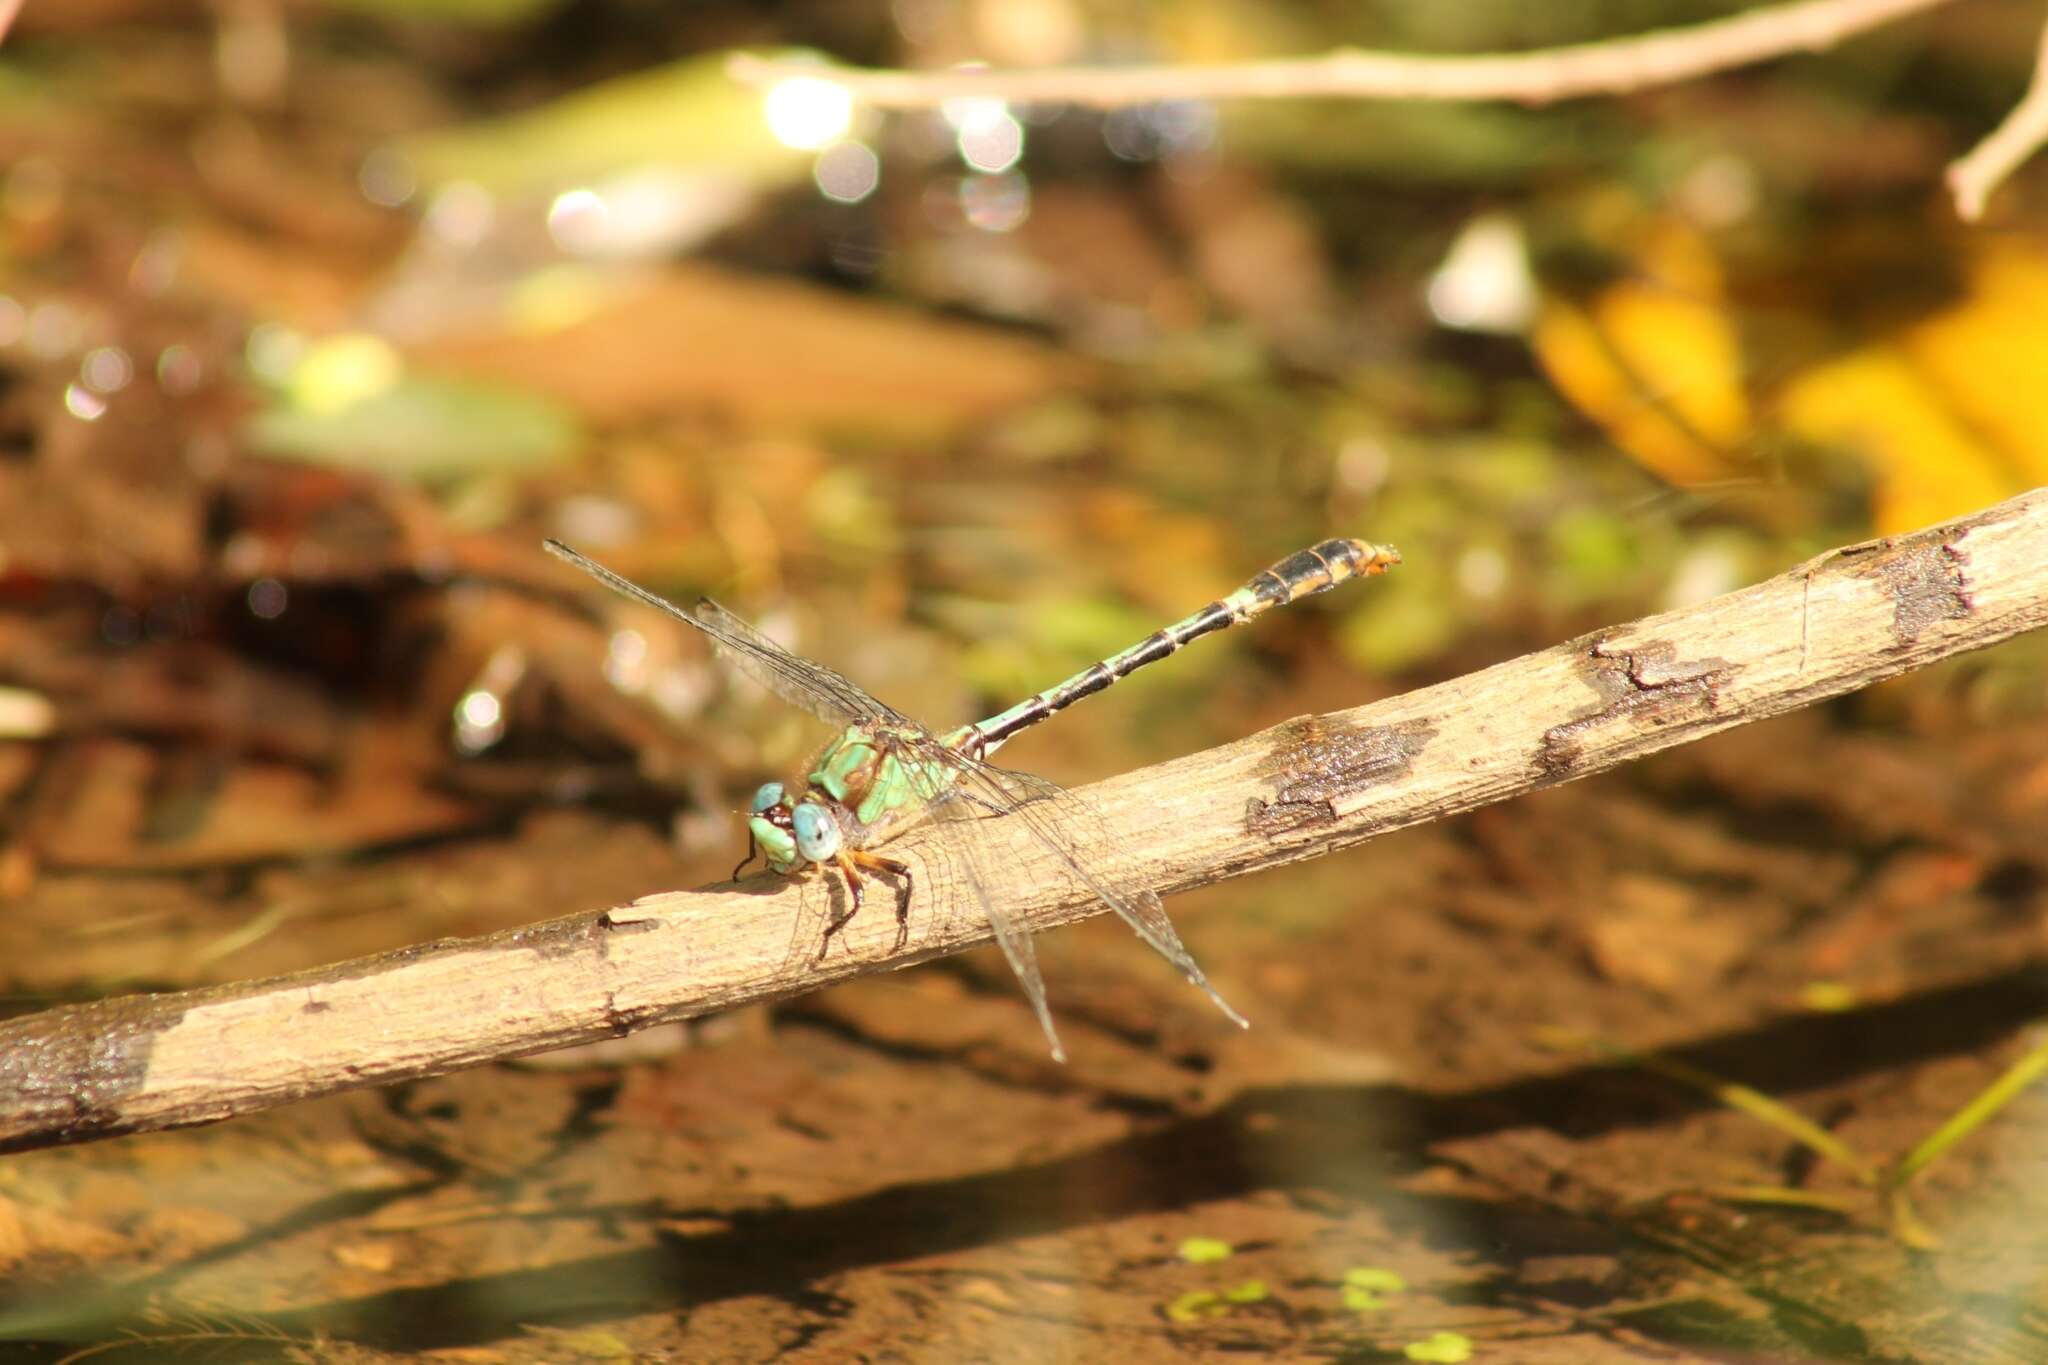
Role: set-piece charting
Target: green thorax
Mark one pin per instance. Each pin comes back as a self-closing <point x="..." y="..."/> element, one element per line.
<point x="868" y="776"/>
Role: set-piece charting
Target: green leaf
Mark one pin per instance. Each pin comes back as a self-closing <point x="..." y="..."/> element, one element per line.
<point x="424" y="429"/>
<point x="1205" y="1250"/>
<point x="686" y="114"/>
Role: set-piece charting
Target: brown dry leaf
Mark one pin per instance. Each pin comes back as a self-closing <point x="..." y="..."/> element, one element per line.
<point x="1654" y="932"/>
<point x="182" y="691"/>
<point x="376" y="1257"/>
<point x="767" y="352"/>
<point x="28" y="1233"/>
<point x="1255" y="248"/>
<point x="180" y="1232"/>
<point x="1100" y="247"/>
<point x="257" y="811"/>
<point x="262" y="277"/>
<point x="1913" y="877"/>
<point x="78" y="513"/>
<point x="14" y="1239"/>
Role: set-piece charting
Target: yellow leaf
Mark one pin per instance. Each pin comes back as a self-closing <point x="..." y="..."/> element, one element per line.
<point x="1944" y="411"/>
<point x="1987" y="355"/>
<point x="1659" y="370"/>
<point x="1877" y="404"/>
<point x="1655" y="358"/>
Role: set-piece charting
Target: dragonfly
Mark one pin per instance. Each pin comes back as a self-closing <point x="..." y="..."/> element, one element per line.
<point x="883" y="772"/>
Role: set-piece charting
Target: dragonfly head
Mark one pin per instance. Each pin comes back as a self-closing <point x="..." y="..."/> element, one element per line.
<point x="791" y="833"/>
<point x="817" y="833"/>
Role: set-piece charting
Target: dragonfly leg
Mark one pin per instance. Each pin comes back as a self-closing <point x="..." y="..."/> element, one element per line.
<point x="875" y="862"/>
<point x="753" y="852"/>
<point x="851" y="875"/>
<point x="850" y="862"/>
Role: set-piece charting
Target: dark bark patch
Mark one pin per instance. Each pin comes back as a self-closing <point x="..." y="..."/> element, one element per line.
<point x="1925" y="583"/>
<point x="1647" y="687"/>
<point x="1320" y="764"/>
<point x="69" y="1072"/>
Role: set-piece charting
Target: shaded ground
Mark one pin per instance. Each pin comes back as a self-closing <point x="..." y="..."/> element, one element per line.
<point x="284" y="682"/>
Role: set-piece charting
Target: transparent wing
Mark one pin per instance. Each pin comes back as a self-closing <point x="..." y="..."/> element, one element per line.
<point x="964" y="838"/>
<point x="1067" y="826"/>
<point x="934" y="780"/>
<point x="811" y="686"/>
<point x="822" y="691"/>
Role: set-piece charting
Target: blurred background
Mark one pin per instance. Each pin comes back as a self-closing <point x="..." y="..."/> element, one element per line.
<point x="316" y="316"/>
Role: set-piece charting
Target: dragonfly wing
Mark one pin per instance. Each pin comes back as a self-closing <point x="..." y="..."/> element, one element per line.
<point x="801" y="682"/>
<point x="795" y="679"/>
<point x="1067" y="826"/>
<point x="963" y="835"/>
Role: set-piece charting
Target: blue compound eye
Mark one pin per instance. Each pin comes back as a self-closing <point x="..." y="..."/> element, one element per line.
<point x="817" y="833"/>
<point x="770" y="794"/>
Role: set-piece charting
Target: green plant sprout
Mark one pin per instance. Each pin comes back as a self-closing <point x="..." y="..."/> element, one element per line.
<point x="166" y="1333"/>
<point x="1197" y="1305"/>
<point x="1365" y="1289"/>
<point x="1440" y="1348"/>
<point x="1204" y="1250"/>
<point x="1368" y="1289"/>
<point x="1889" y="1180"/>
<point x="1200" y="1305"/>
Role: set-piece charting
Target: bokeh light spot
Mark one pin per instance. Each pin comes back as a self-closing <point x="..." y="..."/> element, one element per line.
<point x="83" y="403"/>
<point x="341" y="371"/>
<point x="847" y="172"/>
<point x="107" y="369"/>
<point x="578" y="220"/>
<point x="267" y="599"/>
<point x="1484" y="283"/>
<point x="995" y="203"/>
<point x="987" y="135"/>
<point x="807" y="113"/>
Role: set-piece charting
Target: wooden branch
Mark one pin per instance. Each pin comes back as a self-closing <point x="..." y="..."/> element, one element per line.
<point x="1306" y="787"/>
<point x="1972" y="177"/>
<point x="1611" y="66"/>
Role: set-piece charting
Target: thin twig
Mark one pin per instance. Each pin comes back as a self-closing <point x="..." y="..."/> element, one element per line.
<point x="1304" y="788"/>
<point x="1610" y="66"/>
<point x="1972" y="178"/>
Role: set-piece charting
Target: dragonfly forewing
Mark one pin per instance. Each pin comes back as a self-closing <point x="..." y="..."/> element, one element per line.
<point x="817" y="689"/>
<point x="979" y="868"/>
<point x="1070" y="827"/>
<point x="1069" y="830"/>
<point x="824" y="692"/>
